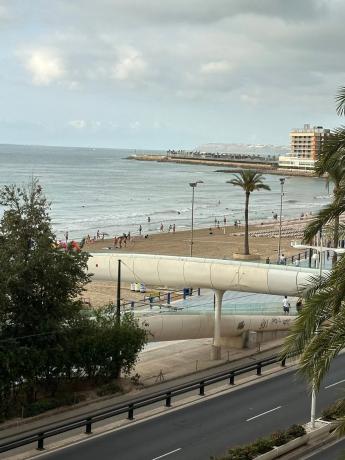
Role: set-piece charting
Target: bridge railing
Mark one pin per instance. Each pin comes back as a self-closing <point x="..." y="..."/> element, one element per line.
<point x="129" y="407"/>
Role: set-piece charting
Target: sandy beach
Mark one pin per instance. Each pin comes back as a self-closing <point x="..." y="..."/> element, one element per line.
<point x="219" y="243"/>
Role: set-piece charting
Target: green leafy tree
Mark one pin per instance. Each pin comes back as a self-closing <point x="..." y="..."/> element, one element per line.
<point x="249" y="181"/>
<point x="39" y="286"/>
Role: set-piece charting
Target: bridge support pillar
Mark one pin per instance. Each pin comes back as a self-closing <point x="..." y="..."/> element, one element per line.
<point x="216" y="347"/>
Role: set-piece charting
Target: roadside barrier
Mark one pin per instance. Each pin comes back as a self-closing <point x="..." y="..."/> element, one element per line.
<point x="129" y="407"/>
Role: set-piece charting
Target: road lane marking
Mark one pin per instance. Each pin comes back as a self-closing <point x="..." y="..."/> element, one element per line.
<point x="263" y="413"/>
<point x="334" y="384"/>
<point x="168" y="453"/>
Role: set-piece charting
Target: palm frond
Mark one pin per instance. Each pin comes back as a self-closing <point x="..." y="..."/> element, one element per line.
<point x="340" y="100"/>
<point x="326" y="214"/>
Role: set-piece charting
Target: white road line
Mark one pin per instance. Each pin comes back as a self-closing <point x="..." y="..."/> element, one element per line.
<point x="263" y="413"/>
<point x="168" y="453"/>
<point x="334" y="384"/>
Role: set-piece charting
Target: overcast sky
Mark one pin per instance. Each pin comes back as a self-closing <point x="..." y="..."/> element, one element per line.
<point x="167" y="73"/>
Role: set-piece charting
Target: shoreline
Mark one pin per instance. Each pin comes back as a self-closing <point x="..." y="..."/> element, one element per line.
<point x="262" y="168"/>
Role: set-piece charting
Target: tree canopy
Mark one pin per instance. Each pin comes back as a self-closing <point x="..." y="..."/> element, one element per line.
<point x="46" y="339"/>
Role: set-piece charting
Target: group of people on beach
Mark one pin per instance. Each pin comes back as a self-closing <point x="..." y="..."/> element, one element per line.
<point x="119" y="241"/>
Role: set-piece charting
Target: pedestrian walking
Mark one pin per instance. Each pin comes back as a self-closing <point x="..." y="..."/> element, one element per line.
<point x="286" y="306"/>
<point x="161" y="228"/>
<point x="224" y="220"/>
<point x="140" y="229"/>
<point x="299" y="305"/>
<point x="174" y="228"/>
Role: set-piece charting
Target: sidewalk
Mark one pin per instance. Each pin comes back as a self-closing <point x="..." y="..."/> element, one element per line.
<point x="160" y="366"/>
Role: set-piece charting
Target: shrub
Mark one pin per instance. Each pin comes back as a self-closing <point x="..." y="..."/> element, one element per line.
<point x="263" y="445"/>
<point x="295" y="431"/>
<point x="334" y="411"/>
<point x="109" y="389"/>
<point x="43" y="405"/>
<point x="279" y="438"/>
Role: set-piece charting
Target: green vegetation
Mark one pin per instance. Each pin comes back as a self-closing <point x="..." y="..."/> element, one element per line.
<point x="249" y="181"/>
<point x="263" y="445"/>
<point x="318" y="334"/>
<point x="49" y="347"/>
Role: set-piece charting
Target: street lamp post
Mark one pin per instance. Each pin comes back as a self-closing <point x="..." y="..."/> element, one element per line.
<point x="193" y="185"/>
<point x="313" y="391"/>
<point x="282" y="181"/>
<point x="118" y="293"/>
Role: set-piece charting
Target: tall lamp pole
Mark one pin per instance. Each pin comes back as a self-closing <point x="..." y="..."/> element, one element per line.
<point x="118" y="293"/>
<point x="193" y="185"/>
<point x="282" y="181"/>
<point x="313" y="391"/>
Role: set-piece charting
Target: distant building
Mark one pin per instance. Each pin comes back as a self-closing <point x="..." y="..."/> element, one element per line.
<point x="305" y="147"/>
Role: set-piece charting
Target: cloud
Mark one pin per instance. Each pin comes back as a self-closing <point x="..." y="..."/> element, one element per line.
<point x="78" y="124"/>
<point x="131" y="65"/>
<point x="216" y="67"/>
<point x="45" y="66"/>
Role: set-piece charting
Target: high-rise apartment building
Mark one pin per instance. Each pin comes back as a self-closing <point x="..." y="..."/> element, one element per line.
<point x="306" y="145"/>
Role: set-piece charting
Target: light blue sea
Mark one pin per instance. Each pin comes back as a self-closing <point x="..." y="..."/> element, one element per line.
<point x="100" y="189"/>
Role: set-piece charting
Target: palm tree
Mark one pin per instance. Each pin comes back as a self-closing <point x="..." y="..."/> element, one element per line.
<point x="249" y="181"/>
<point x="332" y="163"/>
<point x="318" y="334"/>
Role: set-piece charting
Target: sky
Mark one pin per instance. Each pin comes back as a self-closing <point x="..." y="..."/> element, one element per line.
<point x="160" y="74"/>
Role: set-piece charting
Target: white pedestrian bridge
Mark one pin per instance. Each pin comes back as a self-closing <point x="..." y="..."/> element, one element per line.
<point x="218" y="275"/>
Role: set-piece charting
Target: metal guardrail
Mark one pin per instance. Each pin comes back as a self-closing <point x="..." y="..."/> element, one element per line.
<point x="129" y="407"/>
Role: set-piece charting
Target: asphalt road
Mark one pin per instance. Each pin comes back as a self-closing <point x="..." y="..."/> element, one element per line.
<point x="335" y="451"/>
<point x="209" y="428"/>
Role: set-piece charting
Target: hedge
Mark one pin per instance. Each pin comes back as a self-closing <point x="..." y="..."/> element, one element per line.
<point x="263" y="445"/>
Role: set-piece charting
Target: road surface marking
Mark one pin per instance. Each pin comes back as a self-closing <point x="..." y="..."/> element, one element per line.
<point x="263" y="413"/>
<point x="334" y="384"/>
<point x="168" y="453"/>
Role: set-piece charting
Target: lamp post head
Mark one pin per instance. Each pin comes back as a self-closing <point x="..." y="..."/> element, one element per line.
<point x="194" y="184"/>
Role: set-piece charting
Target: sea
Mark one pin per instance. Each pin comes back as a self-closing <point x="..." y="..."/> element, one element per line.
<point x="94" y="189"/>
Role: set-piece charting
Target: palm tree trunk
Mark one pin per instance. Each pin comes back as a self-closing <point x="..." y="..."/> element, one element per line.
<point x="246" y="229"/>
<point x="335" y="239"/>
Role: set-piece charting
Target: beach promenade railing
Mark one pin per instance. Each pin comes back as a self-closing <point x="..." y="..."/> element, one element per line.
<point x="129" y="407"/>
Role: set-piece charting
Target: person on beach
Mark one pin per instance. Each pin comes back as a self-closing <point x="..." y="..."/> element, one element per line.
<point x="170" y="228"/>
<point x="98" y="235"/>
<point x="224" y="220"/>
<point x="140" y="229"/>
<point x="299" y="305"/>
<point x="161" y="228"/>
<point x="275" y="215"/>
<point x="286" y="306"/>
<point x="115" y="242"/>
<point x="129" y="236"/>
<point x="148" y="219"/>
<point x="215" y="221"/>
<point x="174" y="228"/>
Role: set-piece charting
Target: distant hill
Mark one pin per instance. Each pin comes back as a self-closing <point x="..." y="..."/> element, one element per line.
<point x="254" y="149"/>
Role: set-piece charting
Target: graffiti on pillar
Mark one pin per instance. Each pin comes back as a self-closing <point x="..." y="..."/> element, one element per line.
<point x="264" y="324"/>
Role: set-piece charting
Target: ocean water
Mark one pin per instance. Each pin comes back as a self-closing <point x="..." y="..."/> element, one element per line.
<point x="99" y="189"/>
